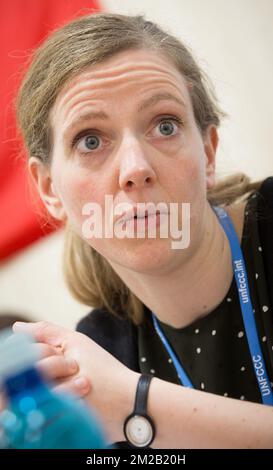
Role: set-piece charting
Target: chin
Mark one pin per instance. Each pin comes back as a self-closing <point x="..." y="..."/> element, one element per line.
<point x="145" y="256"/>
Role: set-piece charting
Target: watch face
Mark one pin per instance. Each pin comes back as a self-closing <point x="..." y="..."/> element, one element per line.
<point x="139" y="431"/>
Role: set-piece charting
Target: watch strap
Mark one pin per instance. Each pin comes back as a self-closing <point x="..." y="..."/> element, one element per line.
<point x="140" y="411"/>
<point x="142" y="394"/>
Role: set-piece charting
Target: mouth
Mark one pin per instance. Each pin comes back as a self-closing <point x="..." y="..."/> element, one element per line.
<point x="135" y="215"/>
<point x="146" y="215"/>
<point x="141" y="216"/>
<point x="141" y="212"/>
<point x="144" y="221"/>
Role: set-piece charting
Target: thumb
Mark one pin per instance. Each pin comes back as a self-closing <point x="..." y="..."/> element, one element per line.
<point x="43" y="332"/>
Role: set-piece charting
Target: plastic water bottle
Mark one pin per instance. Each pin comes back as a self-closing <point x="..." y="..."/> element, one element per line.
<point x="35" y="416"/>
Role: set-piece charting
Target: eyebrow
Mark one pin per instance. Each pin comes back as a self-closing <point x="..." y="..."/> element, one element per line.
<point x="151" y="101"/>
<point x="85" y="118"/>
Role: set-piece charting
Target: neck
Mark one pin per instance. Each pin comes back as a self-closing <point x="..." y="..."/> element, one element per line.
<point x="196" y="286"/>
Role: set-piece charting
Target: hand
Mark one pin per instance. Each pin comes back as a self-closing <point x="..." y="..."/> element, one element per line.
<point x="112" y="385"/>
<point x="57" y="367"/>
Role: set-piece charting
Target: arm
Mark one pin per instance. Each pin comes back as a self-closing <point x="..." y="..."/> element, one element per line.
<point x="184" y="418"/>
<point x="187" y="418"/>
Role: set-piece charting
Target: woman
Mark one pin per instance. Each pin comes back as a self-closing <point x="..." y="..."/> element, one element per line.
<point x="112" y="105"/>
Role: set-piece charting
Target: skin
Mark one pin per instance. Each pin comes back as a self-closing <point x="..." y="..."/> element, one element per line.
<point x="135" y="162"/>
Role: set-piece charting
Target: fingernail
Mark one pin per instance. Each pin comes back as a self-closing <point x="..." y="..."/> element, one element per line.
<point x="20" y="325"/>
<point x="81" y="382"/>
<point x="72" y="364"/>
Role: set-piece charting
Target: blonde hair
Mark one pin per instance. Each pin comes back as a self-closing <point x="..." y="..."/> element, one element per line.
<point x="84" y="42"/>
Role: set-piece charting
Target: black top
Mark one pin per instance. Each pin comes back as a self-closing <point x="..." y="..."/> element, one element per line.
<point x="213" y="350"/>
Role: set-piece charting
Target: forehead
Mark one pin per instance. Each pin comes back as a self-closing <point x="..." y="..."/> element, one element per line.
<point x="133" y="72"/>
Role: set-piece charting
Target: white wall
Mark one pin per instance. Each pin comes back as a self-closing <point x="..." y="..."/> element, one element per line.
<point x="31" y="283"/>
<point x="233" y="42"/>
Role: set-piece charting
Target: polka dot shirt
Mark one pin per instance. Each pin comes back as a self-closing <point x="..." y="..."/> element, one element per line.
<point x="214" y="349"/>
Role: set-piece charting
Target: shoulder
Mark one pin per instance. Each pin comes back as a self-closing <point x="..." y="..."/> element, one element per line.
<point x="260" y="214"/>
<point x="264" y="208"/>
<point x="265" y="214"/>
<point x="102" y="318"/>
<point x="265" y="205"/>
<point x="118" y="336"/>
<point x="266" y="191"/>
<point x="261" y="208"/>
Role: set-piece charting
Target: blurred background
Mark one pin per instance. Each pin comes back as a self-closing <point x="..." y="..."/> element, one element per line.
<point x="232" y="41"/>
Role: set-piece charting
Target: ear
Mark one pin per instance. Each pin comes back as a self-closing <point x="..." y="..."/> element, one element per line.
<point x="40" y="174"/>
<point x="210" y="146"/>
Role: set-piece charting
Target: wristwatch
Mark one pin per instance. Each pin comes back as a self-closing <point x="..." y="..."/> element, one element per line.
<point x="139" y="428"/>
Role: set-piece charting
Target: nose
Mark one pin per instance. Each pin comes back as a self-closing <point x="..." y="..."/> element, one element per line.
<point x="135" y="168"/>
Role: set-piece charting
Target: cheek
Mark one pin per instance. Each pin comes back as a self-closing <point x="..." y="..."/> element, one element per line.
<point x="188" y="178"/>
<point x="185" y="172"/>
<point x="78" y="188"/>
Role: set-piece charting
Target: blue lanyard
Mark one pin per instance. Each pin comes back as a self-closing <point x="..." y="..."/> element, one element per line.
<point x="247" y="313"/>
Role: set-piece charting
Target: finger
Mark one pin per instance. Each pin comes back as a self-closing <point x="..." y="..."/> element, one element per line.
<point x="55" y="367"/>
<point x="45" y="350"/>
<point x="79" y="386"/>
<point x="42" y="331"/>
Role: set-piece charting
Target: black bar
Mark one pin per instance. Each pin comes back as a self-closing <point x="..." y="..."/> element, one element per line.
<point x="119" y="458"/>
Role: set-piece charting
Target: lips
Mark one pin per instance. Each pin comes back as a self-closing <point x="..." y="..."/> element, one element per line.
<point x="139" y="213"/>
<point x="145" y="215"/>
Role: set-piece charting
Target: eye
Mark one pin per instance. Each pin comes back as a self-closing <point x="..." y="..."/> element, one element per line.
<point x="87" y="143"/>
<point x="168" y="127"/>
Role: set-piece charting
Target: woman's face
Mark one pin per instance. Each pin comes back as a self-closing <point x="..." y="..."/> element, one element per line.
<point x="126" y="128"/>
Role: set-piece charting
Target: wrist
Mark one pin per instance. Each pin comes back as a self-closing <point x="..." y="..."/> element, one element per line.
<point x="139" y="427"/>
<point x="126" y="400"/>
